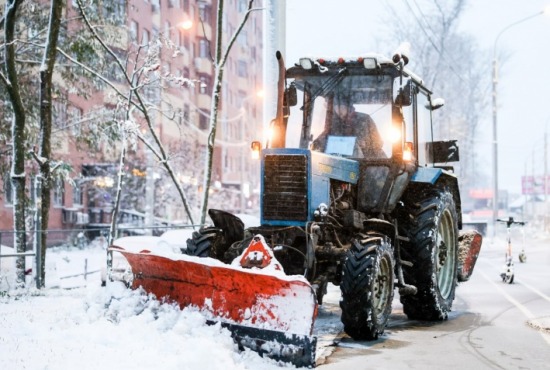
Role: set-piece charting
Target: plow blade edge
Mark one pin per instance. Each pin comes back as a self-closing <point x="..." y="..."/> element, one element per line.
<point x="468" y="252"/>
<point x="271" y="313"/>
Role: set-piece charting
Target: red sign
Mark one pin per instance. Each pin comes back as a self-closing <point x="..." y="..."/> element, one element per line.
<point x="535" y="185"/>
<point x="481" y="193"/>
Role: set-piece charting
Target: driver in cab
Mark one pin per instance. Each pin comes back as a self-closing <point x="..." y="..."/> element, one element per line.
<point x="358" y="128"/>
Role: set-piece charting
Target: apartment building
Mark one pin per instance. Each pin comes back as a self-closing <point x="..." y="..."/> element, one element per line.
<point x="187" y="29"/>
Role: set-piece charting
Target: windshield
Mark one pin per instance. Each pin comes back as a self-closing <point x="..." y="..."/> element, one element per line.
<point x="342" y="114"/>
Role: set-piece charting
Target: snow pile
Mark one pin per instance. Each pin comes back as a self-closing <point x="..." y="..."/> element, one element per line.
<point x="112" y="327"/>
<point x="76" y="324"/>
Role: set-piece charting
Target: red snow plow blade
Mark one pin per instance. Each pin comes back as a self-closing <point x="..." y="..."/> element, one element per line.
<point x="269" y="312"/>
<point x="468" y="252"/>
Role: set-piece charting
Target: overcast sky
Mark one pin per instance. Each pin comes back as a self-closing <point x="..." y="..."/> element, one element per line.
<point x="350" y="27"/>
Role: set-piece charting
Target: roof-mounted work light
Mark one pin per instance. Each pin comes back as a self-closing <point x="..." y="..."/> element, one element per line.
<point x="306" y="63"/>
<point x="370" y="63"/>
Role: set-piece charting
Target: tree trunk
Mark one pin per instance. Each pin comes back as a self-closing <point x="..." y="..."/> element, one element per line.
<point x="219" y="63"/>
<point x="18" y="139"/>
<point x="46" y="74"/>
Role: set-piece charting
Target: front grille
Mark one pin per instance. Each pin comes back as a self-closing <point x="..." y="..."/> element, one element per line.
<point x="285" y="188"/>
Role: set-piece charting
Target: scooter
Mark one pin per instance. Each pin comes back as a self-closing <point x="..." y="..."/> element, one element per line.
<point x="507" y="273"/>
<point x="522" y="256"/>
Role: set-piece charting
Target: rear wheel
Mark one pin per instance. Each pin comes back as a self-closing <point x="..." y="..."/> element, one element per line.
<point x="433" y="250"/>
<point x="367" y="288"/>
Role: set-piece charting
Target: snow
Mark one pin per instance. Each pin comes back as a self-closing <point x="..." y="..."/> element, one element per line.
<point x="77" y="324"/>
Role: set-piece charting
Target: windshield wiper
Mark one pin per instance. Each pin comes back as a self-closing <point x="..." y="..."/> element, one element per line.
<point x="329" y="84"/>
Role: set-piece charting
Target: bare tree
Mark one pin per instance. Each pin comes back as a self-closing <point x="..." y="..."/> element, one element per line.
<point x="220" y="58"/>
<point x="45" y="152"/>
<point x="451" y="64"/>
<point x="18" y="177"/>
<point x="136" y="79"/>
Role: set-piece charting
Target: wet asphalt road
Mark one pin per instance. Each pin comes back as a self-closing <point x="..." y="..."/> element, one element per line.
<point x="493" y="325"/>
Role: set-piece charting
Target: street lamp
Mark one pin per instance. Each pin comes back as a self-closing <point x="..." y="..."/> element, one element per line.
<point x="186" y="25"/>
<point x="495" y="81"/>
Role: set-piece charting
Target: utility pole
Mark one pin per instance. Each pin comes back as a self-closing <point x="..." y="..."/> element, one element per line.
<point x="495" y="108"/>
<point x="545" y="180"/>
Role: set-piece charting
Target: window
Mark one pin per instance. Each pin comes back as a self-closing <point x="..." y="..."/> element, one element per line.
<point x="185" y="113"/>
<point x="113" y="71"/>
<point x="424" y="125"/>
<point x="75" y="120"/>
<point x="8" y="190"/>
<point x="204" y="86"/>
<point x="179" y="38"/>
<point x="78" y="198"/>
<point x="60" y="112"/>
<point x="167" y="29"/>
<point x="145" y="37"/>
<point x="58" y="191"/>
<point x="133" y="30"/>
<point x="186" y="40"/>
<point x="203" y="122"/>
<point x="120" y="9"/>
<point x="204" y="13"/>
<point x="242" y="39"/>
<point x="115" y="9"/>
<point x="203" y="48"/>
<point x="242" y="69"/>
<point x="242" y="5"/>
<point x="155" y="5"/>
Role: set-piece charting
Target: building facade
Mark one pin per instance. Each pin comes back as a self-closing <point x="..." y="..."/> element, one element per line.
<point x="180" y="101"/>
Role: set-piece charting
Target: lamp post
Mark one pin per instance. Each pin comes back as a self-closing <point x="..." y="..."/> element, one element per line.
<point x="495" y="82"/>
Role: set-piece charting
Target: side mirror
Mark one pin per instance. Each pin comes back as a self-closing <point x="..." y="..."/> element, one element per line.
<point x="291" y="96"/>
<point x="435" y="104"/>
<point x="402" y="92"/>
<point x="442" y="151"/>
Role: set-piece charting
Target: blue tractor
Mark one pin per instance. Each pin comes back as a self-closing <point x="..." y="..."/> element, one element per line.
<point x="356" y="192"/>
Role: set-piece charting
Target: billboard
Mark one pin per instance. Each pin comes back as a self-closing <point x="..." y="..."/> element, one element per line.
<point x="535" y="185"/>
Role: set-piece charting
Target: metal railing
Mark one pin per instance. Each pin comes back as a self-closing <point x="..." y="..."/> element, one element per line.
<point x="74" y="238"/>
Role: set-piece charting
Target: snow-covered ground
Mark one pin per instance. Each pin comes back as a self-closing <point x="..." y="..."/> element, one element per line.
<point x="76" y="324"/>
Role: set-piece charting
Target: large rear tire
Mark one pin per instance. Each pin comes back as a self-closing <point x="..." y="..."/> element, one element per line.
<point x="367" y="288"/>
<point x="432" y="227"/>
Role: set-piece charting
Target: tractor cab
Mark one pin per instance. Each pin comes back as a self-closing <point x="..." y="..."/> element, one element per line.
<point x="341" y="111"/>
<point x="363" y="109"/>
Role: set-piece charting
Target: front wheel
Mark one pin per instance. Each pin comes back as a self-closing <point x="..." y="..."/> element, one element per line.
<point x="203" y="242"/>
<point x="522" y="257"/>
<point x="367" y="287"/>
